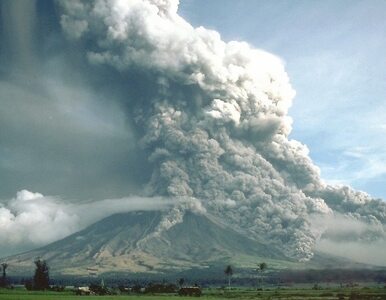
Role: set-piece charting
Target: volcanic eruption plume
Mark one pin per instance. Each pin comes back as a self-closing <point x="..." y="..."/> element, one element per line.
<point x="212" y="118"/>
<point x="115" y="94"/>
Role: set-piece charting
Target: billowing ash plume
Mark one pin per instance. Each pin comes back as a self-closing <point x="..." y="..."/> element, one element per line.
<point x="212" y="117"/>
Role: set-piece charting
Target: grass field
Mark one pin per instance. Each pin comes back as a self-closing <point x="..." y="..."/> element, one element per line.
<point x="374" y="293"/>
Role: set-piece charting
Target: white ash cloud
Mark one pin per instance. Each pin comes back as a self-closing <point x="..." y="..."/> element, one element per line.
<point x="32" y="219"/>
<point x="214" y="121"/>
<point x="360" y="238"/>
<point x="364" y="252"/>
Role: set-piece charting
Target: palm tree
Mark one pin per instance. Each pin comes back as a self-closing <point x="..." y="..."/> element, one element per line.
<point x="181" y="282"/>
<point x="261" y="268"/>
<point x="4" y="278"/>
<point x="229" y="272"/>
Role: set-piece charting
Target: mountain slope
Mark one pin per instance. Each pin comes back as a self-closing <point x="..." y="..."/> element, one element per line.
<point x="127" y="243"/>
<point x="131" y="243"/>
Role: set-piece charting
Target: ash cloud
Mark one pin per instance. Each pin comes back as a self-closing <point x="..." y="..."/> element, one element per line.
<point x="139" y="101"/>
<point x="213" y="121"/>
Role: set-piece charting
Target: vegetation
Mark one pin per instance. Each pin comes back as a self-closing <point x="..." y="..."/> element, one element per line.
<point x="291" y="293"/>
<point x="190" y="291"/>
<point x="261" y="268"/>
<point x="229" y="272"/>
<point x="278" y="285"/>
<point x="3" y="280"/>
<point x="41" y="279"/>
<point x="181" y="282"/>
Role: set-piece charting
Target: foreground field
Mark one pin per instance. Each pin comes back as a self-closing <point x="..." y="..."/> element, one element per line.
<point x="374" y="293"/>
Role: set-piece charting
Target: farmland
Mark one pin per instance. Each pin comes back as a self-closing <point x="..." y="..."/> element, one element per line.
<point x="292" y="293"/>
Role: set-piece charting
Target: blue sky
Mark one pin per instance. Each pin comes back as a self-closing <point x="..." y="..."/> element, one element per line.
<point x="334" y="53"/>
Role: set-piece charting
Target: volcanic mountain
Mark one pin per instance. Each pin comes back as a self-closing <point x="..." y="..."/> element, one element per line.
<point x="171" y="112"/>
<point x="130" y="243"/>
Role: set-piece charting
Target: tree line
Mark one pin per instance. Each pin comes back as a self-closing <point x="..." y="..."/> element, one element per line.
<point x="40" y="280"/>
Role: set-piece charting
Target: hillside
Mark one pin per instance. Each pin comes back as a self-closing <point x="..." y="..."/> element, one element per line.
<point x="127" y="243"/>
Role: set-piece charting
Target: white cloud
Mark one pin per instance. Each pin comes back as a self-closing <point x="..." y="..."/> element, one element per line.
<point x="356" y="165"/>
<point x="30" y="219"/>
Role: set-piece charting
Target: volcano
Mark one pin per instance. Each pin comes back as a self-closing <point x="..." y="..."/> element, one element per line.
<point x="116" y="106"/>
<point x="130" y="243"/>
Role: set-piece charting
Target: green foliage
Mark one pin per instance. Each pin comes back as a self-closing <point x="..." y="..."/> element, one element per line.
<point x="41" y="280"/>
<point x="263" y="266"/>
<point x="3" y="279"/>
<point x="229" y="272"/>
<point x="181" y="282"/>
<point x="290" y="293"/>
<point x="99" y="289"/>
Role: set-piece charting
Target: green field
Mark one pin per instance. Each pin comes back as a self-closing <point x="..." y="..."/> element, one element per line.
<point x="378" y="293"/>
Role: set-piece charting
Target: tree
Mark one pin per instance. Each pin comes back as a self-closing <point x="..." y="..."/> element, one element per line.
<point x="41" y="278"/>
<point x="229" y="272"/>
<point x="3" y="281"/>
<point x="181" y="282"/>
<point x="261" y="268"/>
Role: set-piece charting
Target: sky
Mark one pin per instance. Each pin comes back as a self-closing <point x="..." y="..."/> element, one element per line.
<point x="334" y="55"/>
<point x="106" y="105"/>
